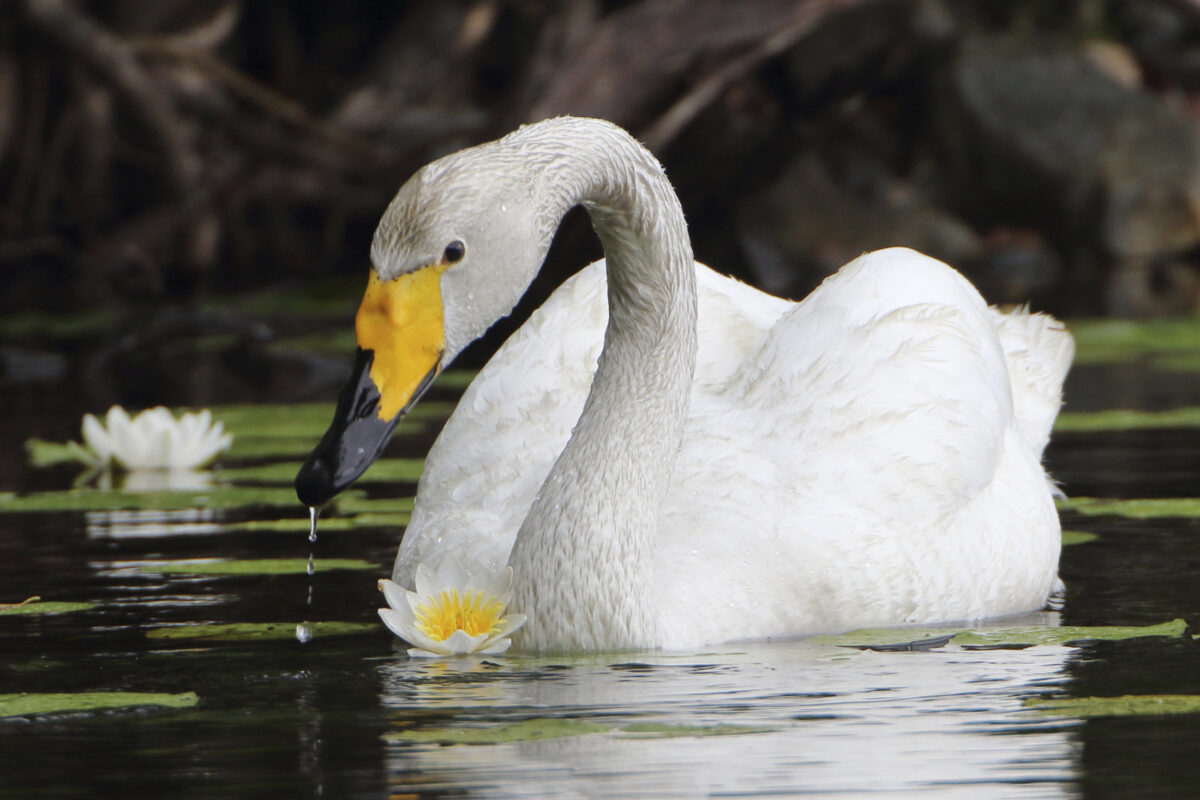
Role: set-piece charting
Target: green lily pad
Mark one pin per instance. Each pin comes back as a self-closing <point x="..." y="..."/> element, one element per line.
<point x="300" y="525"/>
<point x="35" y="605"/>
<point x="1119" y="340"/>
<point x="218" y="496"/>
<point x="256" y="566"/>
<point x="30" y="325"/>
<point x="1121" y="419"/>
<point x="336" y="296"/>
<point x="385" y="469"/>
<point x="290" y="447"/>
<point x="530" y="730"/>
<point x="42" y="453"/>
<point x="1129" y="705"/>
<point x="655" y="730"/>
<point x="1178" y="363"/>
<point x="455" y="379"/>
<point x="256" y="631"/>
<point x="21" y="705"/>
<point x="357" y="504"/>
<point x="991" y="637"/>
<point x="1077" y="537"/>
<point x="271" y="420"/>
<point x="1145" y="508"/>
<point x="340" y="342"/>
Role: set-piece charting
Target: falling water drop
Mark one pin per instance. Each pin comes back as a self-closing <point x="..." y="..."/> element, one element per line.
<point x="313" y="511"/>
<point x="304" y="632"/>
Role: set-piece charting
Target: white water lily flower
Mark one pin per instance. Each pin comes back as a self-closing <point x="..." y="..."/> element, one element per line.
<point x="153" y="439"/>
<point x="453" y="611"/>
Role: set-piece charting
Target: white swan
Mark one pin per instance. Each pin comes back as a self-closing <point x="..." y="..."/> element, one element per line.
<point x="706" y="463"/>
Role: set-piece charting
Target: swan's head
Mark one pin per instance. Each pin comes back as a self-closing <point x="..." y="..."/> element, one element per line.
<point x="454" y="252"/>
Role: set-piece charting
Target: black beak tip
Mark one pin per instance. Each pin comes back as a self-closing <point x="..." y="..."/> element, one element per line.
<point x="314" y="482"/>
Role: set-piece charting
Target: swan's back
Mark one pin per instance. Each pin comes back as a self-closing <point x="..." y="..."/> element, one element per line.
<point x="851" y="459"/>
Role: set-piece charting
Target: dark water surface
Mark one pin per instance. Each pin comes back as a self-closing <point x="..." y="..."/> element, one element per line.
<point x="352" y="716"/>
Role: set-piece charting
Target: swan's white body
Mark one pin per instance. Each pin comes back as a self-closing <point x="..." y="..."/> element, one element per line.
<point x="868" y="456"/>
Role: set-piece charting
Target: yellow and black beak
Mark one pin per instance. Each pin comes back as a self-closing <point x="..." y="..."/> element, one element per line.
<point x="401" y="340"/>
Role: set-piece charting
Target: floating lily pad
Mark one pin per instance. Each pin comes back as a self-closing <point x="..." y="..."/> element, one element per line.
<point x="1129" y="705"/>
<point x="1121" y="419"/>
<point x="1179" y="363"/>
<point x="536" y="729"/>
<point x="255" y="631"/>
<point x="35" y="605"/>
<point x="42" y="453"/>
<point x="655" y="730"/>
<point x="985" y="637"/>
<point x="1118" y="340"/>
<point x="302" y="419"/>
<point x="256" y="566"/>
<point x="1145" y="508"/>
<point x="220" y="496"/>
<point x="21" y="705"/>
<point x="1077" y="537"/>
<point x="290" y="447"/>
<point x="41" y="325"/>
<point x="104" y="500"/>
<point x="384" y="469"/>
<point x="336" y="296"/>
<point x="283" y="420"/>
<point x="358" y="504"/>
<point x="330" y="524"/>
<point x="455" y="379"/>
<point x="337" y="343"/>
<point x="530" y="730"/>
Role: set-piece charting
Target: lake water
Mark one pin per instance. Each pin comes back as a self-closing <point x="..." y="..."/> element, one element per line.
<point x="352" y="716"/>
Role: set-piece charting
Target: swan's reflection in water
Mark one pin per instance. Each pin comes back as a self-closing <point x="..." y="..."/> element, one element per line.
<point x="844" y="722"/>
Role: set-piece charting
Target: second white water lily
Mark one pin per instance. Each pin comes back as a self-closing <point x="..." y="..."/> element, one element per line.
<point x="154" y="439"/>
<point x="454" y="611"/>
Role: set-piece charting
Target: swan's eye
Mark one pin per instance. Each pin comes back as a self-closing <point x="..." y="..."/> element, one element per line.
<point x="454" y="252"/>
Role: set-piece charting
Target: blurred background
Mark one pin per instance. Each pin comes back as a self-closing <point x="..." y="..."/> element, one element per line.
<point x="189" y="187"/>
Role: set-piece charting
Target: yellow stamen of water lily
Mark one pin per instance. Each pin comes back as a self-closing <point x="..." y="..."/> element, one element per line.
<point x="474" y="611"/>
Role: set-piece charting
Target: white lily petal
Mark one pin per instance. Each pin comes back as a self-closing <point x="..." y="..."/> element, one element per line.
<point x="406" y="630"/>
<point x="96" y="438"/>
<point x="460" y="642"/>
<point x="394" y="594"/>
<point x="495" y="647"/>
<point x="416" y="652"/>
<point x="510" y="624"/>
<point x="154" y="439"/>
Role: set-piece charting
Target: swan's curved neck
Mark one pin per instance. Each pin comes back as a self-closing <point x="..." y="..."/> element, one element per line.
<point x="584" y="556"/>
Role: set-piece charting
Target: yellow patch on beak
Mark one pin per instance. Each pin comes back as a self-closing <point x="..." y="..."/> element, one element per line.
<point x="401" y="320"/>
